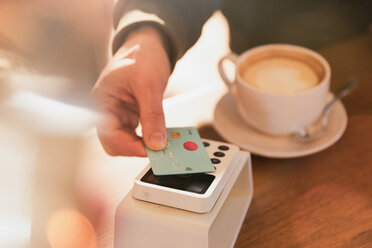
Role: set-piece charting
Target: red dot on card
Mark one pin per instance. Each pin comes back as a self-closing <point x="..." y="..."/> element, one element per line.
<point x="191" y="146"/>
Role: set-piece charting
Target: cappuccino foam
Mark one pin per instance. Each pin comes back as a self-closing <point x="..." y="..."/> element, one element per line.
<point x="280" y="75"/>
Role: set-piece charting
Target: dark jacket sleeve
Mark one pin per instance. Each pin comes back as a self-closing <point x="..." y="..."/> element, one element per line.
<point x="179" y="21"/>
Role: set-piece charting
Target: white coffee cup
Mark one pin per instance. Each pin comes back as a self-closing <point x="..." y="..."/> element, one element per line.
<point x="280" y="110"/>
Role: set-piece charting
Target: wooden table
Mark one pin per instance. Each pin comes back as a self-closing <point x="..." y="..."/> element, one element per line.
<point x="325" y="199"/>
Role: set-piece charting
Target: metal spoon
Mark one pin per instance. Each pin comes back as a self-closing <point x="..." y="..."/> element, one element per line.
<point x="318" y="128"/>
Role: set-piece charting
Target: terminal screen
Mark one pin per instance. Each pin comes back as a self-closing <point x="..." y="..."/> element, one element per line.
<point x="196" y="183"/>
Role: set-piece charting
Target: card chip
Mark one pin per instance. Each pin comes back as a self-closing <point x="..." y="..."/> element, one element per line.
<point x="175" y="135"/>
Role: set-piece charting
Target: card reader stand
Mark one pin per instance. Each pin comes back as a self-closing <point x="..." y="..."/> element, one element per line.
<point x="140" y="224"/>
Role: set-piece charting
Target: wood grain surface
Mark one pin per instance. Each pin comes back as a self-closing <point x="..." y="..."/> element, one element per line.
<point x="325" y="199"/>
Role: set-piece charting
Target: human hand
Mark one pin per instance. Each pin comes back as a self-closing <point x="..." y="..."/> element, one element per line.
<point x="130" y="90"/>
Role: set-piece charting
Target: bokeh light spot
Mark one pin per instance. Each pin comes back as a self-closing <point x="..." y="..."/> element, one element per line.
<point x="69" y="228"/>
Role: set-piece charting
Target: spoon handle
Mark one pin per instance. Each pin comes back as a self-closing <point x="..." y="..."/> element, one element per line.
<point x="345" y="90"/>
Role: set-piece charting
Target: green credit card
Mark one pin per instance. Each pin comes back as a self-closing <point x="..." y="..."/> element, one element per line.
<point x="184" y="154"/>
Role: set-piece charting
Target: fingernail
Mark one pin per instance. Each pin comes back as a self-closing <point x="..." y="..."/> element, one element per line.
<point x="157" y="141"/>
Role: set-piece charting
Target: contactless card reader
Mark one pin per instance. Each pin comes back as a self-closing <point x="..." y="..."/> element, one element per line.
<point x="188" y="210"/>
<point x="193" y="192"/>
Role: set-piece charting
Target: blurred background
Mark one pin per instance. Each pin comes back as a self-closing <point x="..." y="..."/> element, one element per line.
<point x="67" y="39"/>
<point x="51" y="52"/>
<point x="56" y="186"/>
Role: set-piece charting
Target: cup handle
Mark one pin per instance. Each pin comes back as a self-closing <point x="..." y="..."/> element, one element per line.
<point x="233" y="58"/>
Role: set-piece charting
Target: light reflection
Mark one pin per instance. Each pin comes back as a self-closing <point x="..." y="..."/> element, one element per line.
<point x="50" y="115"/>
<point x="15" y="231"/>
<point x="4" y="63"/>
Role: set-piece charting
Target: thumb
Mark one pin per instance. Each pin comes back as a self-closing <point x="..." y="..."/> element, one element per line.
<point x="152" y="119"/>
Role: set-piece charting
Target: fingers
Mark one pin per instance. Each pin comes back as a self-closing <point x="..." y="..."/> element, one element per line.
<point x="118" y="140"/>
<point x="120" y="143"/>
<point x="128" y="114"/>
<point x="152" y="118"/>
<point x="133" y="79"/>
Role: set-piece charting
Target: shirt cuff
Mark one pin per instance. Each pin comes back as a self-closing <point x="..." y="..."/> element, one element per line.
<point x="136" y="19"/>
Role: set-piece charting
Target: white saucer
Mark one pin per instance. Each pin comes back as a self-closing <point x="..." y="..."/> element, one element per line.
<point x="231" y="127"/>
